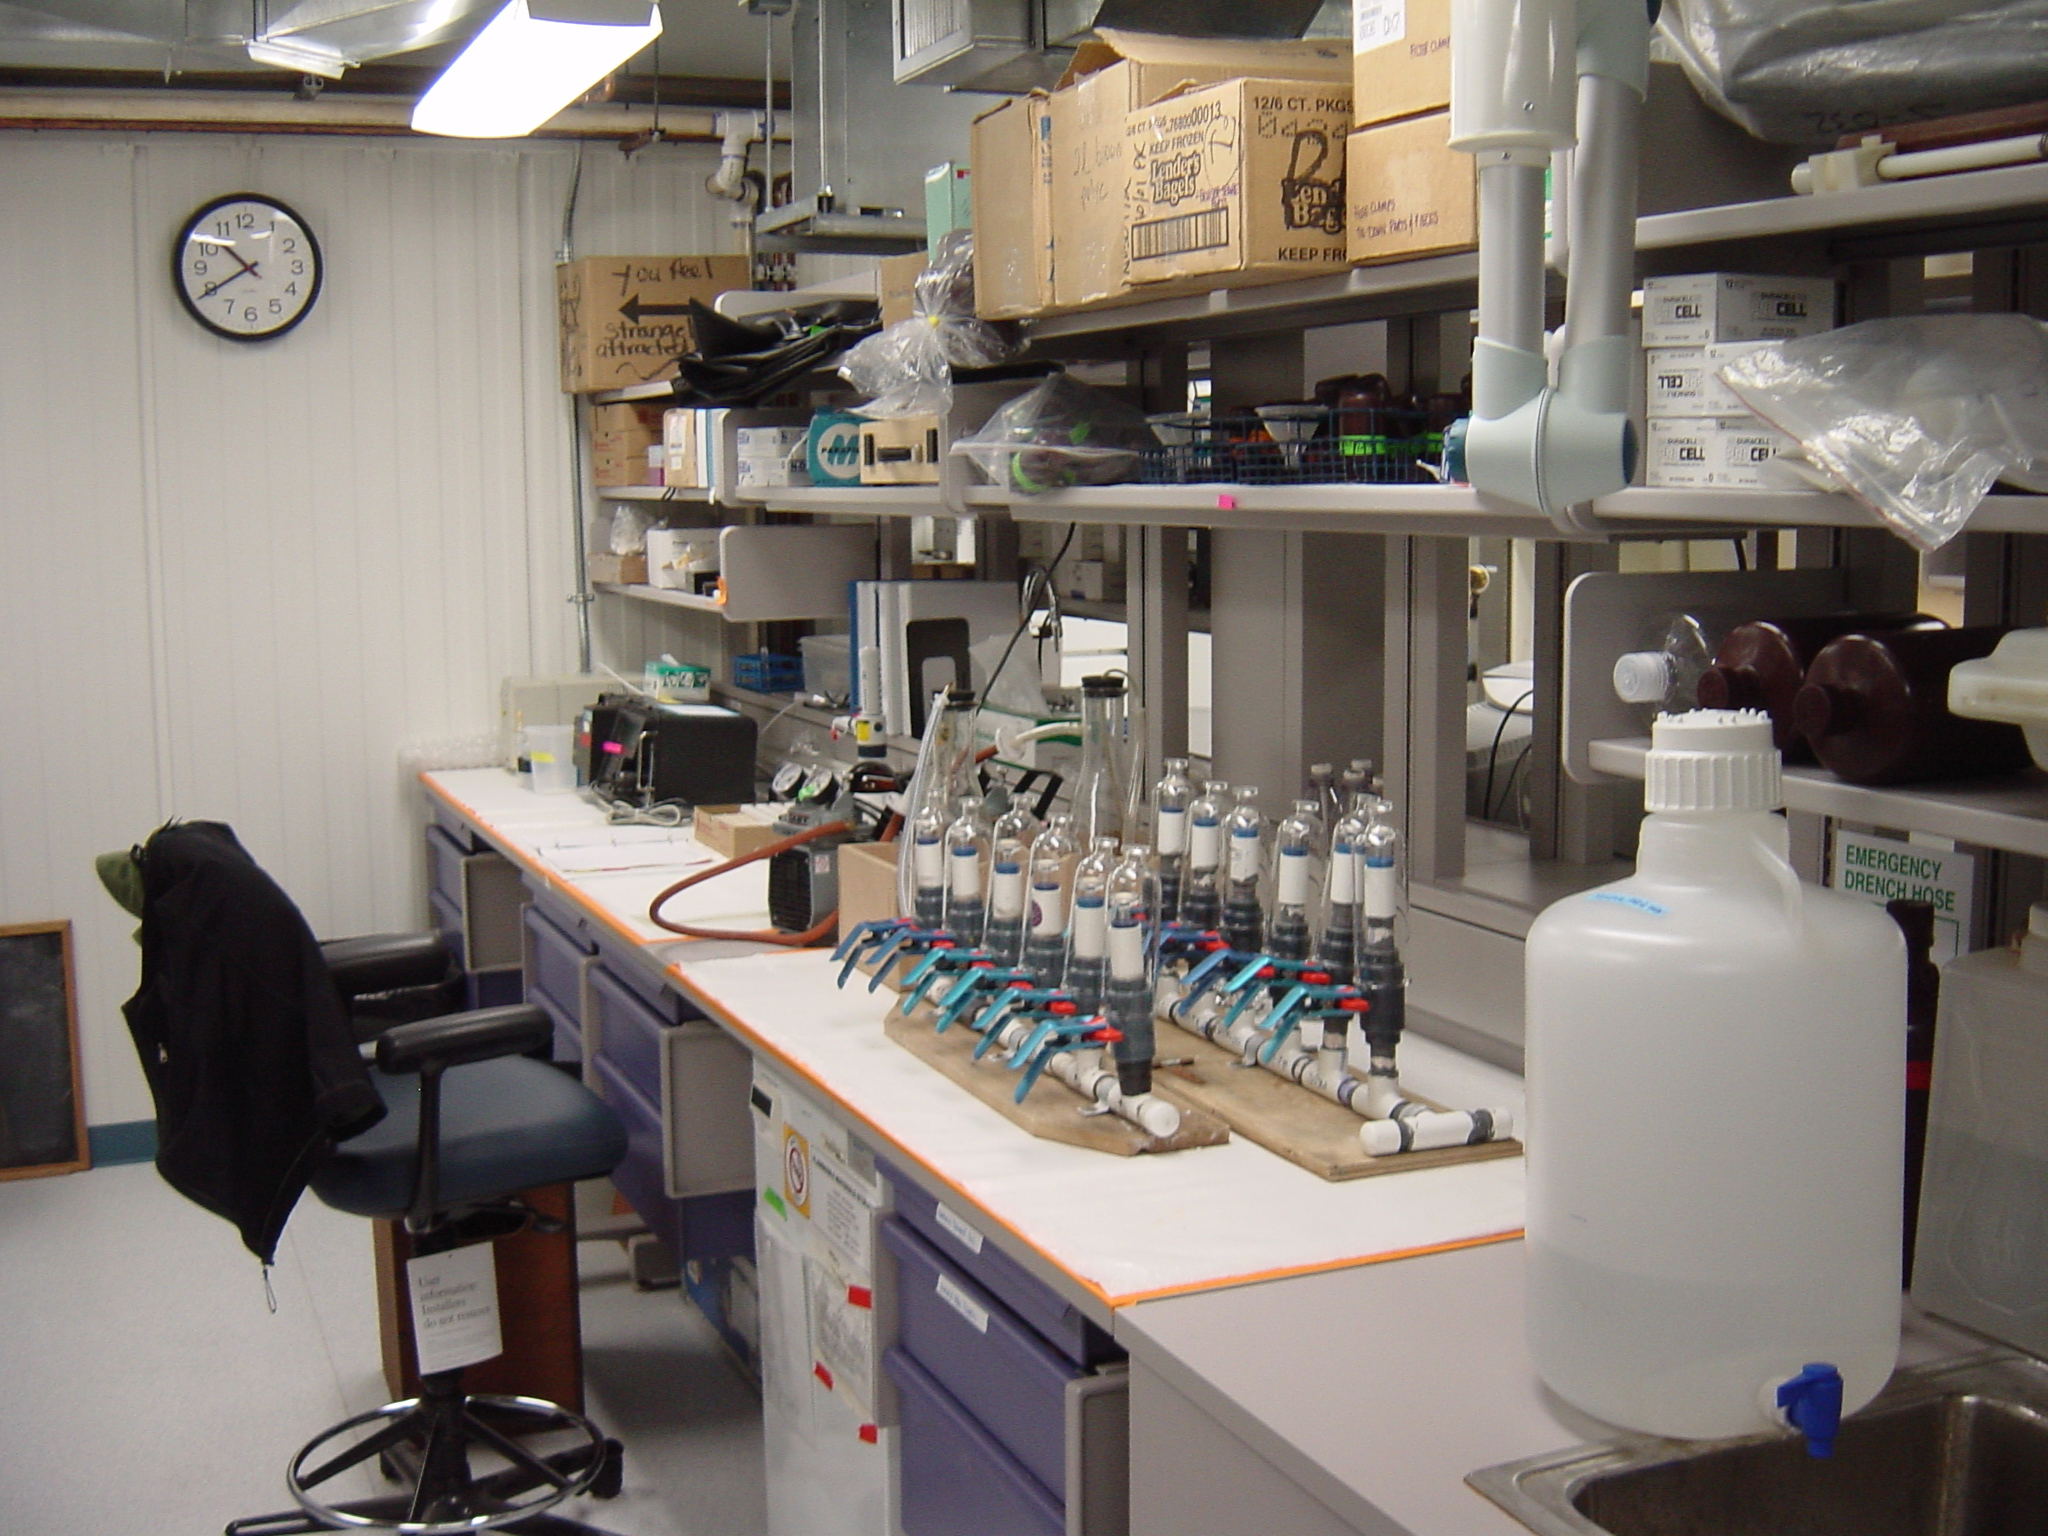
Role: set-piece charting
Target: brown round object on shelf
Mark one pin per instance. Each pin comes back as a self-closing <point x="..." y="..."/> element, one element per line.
<point x="1875" y="709"/>
<point x="1761" y="665"/>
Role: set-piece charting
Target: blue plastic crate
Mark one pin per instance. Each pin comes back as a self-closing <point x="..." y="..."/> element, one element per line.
<point x="768" y="672"/>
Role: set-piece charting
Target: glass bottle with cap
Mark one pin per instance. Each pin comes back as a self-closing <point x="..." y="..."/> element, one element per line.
<point x="1127" y="991"/>
<point x="1874" y="709"/>
<point x="944" y="772"/>
<point x="1088" y="931"/>
<point x="1009" y="853"/>
<point x="1715" y="1145"/>
<point x="1762" y="665"/>
<point x="966" y="872"/>
<point x="1171" y="797"/>
<point x="1337" y="928"/>
<point x="1201" y="896"/>
<point x="1295" y="864"/>
<point x="1053" y="854"/>
<point x="1099" y="794"/>
<point x="1244" y="917"/>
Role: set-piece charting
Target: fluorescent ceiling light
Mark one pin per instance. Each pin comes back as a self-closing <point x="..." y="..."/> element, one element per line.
<point x="293" y="53"/>
<point x="530" y="62"/>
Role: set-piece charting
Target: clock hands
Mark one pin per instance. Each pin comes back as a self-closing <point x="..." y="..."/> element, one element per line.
<point x="248" y="267"/>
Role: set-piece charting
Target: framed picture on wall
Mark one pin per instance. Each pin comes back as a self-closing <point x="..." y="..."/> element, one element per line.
<point x="42" y="1108"/>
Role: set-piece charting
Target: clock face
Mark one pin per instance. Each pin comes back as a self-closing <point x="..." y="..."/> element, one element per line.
<point x="246" y="267"/>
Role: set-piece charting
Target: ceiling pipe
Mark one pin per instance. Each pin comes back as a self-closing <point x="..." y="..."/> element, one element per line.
<point x="230" y="112"/>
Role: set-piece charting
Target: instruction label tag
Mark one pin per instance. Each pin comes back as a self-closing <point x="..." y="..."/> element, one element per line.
<point x="950" y="1223"/>
<point x="1881" y="869"/>
<point x="951" y="1294"/>
<point x="455" y="1307"/>
<point x="1376" y="23"/>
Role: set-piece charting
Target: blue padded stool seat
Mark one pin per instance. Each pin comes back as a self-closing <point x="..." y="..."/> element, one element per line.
<point x="507" y="1124"/>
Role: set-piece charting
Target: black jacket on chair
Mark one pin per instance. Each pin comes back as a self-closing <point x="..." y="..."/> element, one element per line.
<point x="242" y="1034"/>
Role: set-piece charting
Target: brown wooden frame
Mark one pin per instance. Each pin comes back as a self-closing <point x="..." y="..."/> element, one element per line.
<point x="79" y="1138"/>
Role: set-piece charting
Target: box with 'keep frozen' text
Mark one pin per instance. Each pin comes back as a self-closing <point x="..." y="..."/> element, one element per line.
<point x="1243" y="178"/>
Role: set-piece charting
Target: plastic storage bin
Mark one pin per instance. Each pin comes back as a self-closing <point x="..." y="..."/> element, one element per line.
<point x="828" y="665"/>
<point x="1983" y="1251"/>
<point x="767" y="672"/>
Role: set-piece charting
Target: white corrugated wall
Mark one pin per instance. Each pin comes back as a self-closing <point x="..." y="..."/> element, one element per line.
<point x="235" y="578"/>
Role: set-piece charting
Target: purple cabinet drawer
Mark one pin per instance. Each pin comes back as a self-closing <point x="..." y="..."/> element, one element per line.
<point x="444" y="864"/>
<point x="628" y="1033"/>
<point x="955" y="1479"/>
<point x="567" y="1047"/>
<point x="641" y="1176"/>
<point x="554" y="965"/>
<point x="446" y="918"/>
<point x="964" y="1245"/>
<point x="992" y="1362"/>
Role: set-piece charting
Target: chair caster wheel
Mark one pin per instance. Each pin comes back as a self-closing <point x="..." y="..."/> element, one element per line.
<point x="611" y="1477"/>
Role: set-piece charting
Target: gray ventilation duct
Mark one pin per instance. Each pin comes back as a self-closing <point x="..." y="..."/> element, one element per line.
<point x="310" y="36"/>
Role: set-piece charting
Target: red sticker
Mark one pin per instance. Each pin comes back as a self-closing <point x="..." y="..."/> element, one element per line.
<point x="859" y="1296"/>
<point x="870" y="1434"/>
<point x="823" y="1375"/>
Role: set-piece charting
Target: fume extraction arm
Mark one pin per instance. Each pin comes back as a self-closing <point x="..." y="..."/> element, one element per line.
<point x="1529" y="78"/>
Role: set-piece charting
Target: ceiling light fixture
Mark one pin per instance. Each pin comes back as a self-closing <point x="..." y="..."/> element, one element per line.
<point x="533" y="59"/>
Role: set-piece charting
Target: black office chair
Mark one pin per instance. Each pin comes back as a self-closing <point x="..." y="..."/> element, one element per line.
<point x="248" y="1032"/>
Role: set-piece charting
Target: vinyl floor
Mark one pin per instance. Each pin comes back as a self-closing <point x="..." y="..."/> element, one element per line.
<point x="146" y="1386"/>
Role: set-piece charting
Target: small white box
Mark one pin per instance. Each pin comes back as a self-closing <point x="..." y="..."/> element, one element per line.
<point x="1685" y="381"/>
<point x="1733" y="453"/>
<point x="1703" y="308"/>
<point x="770" y="442"/>
<point x="758" y="474"/>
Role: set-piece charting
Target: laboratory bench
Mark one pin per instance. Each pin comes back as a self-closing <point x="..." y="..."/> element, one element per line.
<point x="1080" y="1254"/>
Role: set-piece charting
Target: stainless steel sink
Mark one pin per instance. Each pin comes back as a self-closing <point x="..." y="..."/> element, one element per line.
<point x="1954" y="1449"/>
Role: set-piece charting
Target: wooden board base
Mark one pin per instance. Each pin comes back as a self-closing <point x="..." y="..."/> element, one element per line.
<point x="1051" y="1110"/>
<point x="1284" y="1117"/>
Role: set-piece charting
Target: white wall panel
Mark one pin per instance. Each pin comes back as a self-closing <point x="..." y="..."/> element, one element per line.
<point x="235" y="578"/>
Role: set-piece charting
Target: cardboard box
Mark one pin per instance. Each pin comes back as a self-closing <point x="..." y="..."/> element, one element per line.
<point x="904" y="451"/>
<point x="619" y="570"/>
<point x="1110" y="78"/>
<point x="1400" y="59"/>
<point x="1243" y="179"/>
<point x="1684" y="381"/>
<point x="735" y="831"/>
<point x="1723" y="453"/>
<point x="1703" y="308"/>
<point x="1409" y="193"/>
<point x="896" y="280"/>
<point x="1013" y="257"/>
<point x="867" y="883"/>
<point x="621" y="317"/>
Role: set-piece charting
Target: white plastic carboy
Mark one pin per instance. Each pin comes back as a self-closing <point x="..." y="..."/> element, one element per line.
<point x="1715" y="1131"/>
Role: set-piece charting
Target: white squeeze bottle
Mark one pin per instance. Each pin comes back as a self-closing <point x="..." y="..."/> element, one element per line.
<point x="1715" y="1136"/>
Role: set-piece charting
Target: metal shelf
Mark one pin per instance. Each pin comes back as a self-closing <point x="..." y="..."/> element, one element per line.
<point x="659" y="389"/>
<point x="1458" y="509"/>
<point x="667" y="597"/>
<point x="1364" y="293"/>
<point x="695" y="493"/>
<point x="2011" y="813"/>
<point x="848" y="500"/>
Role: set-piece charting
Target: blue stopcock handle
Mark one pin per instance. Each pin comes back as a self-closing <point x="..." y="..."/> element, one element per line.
<point x="860" y="933"/>
<point x="1812" y="1404"/>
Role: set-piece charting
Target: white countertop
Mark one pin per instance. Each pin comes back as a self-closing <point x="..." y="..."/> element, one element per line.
<point x="1104" y="1231"/>
<point x="1411" y="1376"/>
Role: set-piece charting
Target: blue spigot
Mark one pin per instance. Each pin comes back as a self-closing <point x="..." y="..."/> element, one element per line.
<point x="1811" y="1403"/>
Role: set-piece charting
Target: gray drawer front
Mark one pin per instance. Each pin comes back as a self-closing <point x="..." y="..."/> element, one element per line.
<point x="956" y="1479"/>
<point x="963" y="1244"/>
<point x="554" y="966"/>
<point x="981" y="1352"/>
<point x="444" y="864"/>
<point x="627" y="1033"/>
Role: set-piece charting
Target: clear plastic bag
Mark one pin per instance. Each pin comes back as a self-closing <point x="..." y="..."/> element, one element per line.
<point x="1917" y="416"/>
<point x="1806" y="72"/>
<point x="907" y="368"/>
<point x="629" y="529"/>
<point x="1060" y="433"/>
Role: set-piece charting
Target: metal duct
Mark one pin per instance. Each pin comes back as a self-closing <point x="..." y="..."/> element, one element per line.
<point x="213" y="35"/>
<point x="1067" y="21"/>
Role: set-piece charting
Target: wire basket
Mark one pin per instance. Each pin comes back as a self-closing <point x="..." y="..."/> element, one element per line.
<point x="768" y="672"/>
<point x="1378" y="447"/>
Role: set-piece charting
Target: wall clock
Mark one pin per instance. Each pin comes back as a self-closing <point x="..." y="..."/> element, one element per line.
<point x="246" y="267"/>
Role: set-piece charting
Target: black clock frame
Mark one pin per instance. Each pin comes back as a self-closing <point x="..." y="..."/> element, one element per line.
<point x="184" y="235"/>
